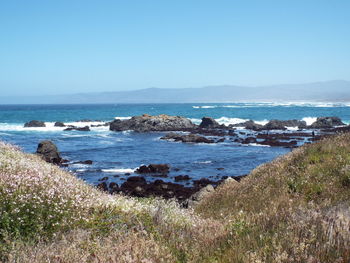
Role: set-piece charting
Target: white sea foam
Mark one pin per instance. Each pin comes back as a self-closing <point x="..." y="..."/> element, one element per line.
<point x="118" y="170"/>
<point x="292" y="128"/>
<point x="263" y="122"/>
<point x="50" y="126"/>
<point x="195" y="121"/>
<point x="205" y="107"/>
<point x="258" y="145"/>
<point x="79" y="165"/>
<point x="203" y="162"/>
<point x="309" y="120"/>
<point x="228" y="121"/>
<point x="279" y="104"/>
<point x="122" y="118"/>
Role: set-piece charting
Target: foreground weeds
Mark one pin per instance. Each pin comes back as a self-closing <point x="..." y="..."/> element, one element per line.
<point x="294" y="209"/>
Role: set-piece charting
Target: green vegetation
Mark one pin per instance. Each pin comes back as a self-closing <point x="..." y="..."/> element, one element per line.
<point x="294" y="209"/>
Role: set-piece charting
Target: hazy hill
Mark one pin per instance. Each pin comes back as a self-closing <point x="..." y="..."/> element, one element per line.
<point x="336" y="90"/>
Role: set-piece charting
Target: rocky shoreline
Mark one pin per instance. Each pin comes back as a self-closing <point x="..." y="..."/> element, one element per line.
<point x="276" y="133"/>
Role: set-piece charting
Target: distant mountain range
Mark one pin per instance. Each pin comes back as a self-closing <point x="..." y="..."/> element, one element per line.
<point x="330" y="91"/>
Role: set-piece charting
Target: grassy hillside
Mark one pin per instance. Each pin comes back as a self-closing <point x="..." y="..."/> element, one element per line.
<point x="295" y="209"/>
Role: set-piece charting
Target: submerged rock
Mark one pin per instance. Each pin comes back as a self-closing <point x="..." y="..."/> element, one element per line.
<point x="187" y="138"/>
<point x="147" y="123"/>
<point x="74" y="128"/>
<point x="49" y="152"/>
<point x="34" y="123"/>
<point x="182" y="178"/>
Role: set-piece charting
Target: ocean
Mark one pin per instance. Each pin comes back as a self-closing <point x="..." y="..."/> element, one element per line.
<point x="117" y="154"/>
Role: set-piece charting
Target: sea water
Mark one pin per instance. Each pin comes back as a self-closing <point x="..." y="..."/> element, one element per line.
<point x="116" y="155"/>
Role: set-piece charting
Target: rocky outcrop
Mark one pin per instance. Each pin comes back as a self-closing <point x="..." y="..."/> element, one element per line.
<point x="196" y="198"/>
<point x="209" y="123"/>
<point x="249" y="125"/>
<point x="148" y="123"/>
<point x="49" y="152"/>
<point x="326" y="122"/>
<point x="153" y="169"/>
<point x="34" y="123"/>
<point x="281" y="125"/>
<point x="187" y="138"/>
<point x="59" y="124"/>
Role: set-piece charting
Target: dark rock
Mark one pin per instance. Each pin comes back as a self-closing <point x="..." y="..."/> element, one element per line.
<point x="59" y="124"/>
<point x="220" y="140"/>
<point x="157" y="188"/>
<point x="153" y="169"/>
<point x="103" y="179"/>
<point x="136" y="179"/>
<point x="284" y="136"/>
<point x="281" y="125"/>
<point x="88" y="162"/>
<point x="49" y="152"/>
<point x="326" y="122"/>
<point x="274" y="142"/>
<point x="211" y="132"/>
<point x="232" y="132"/>
<point x="34" y="123"/>
<point x="113" y="187"/>
<point x="188" y="138"/>
<point x="101" y="125"/>
<point x="249" y="140"/>
<point x="249" y="125"/>
<point x="181" y="178"/>
<point x="203" y="182"/>
<point x="338" y="129"/>
<point x="275" y="125"/>
<point x="158" y="182"/>
<point x="147" y="123"/>
<point x="86" y="128"/>
<point x="209" y="123"/>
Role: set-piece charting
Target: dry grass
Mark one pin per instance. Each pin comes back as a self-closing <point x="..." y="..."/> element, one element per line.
<point x="294" y="209"/>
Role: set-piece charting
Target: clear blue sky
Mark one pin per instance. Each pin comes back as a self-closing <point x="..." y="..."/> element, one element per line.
<point x="53" y="47"/>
